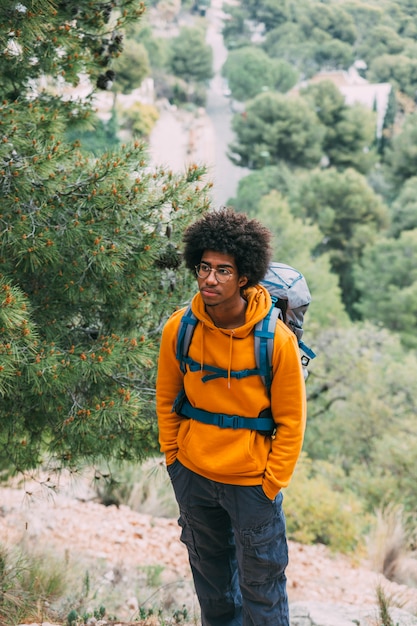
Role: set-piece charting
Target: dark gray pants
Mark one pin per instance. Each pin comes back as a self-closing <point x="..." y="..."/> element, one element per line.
<point x="237" y="550"/>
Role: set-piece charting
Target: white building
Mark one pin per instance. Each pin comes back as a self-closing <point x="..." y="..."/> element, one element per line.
<point x="357" y="90"/>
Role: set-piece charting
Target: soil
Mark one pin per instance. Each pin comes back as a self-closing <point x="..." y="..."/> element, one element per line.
<point x="136" y="559"/>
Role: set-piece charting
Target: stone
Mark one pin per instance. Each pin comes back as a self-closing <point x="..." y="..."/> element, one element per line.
<point x="330" y="614"/>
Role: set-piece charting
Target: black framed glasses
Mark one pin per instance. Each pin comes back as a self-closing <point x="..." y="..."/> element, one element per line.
<point x="221" y="274"/>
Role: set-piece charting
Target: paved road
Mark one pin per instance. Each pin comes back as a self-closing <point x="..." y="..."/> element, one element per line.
<point x="181" y="138"/>
<point x="226" y="175"/>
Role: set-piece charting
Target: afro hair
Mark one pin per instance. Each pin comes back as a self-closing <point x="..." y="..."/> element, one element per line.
<point x="228" y="232"/>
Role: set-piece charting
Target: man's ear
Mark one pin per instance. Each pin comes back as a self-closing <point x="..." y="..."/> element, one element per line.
<point x="243" y="281"/>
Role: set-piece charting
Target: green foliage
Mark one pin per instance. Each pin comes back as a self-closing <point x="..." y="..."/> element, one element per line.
<point x="249" y="71"/>
<point x="360" y="389"/>
<point x="366" y="16"/>
<point x="333" y="54"/>
<point x="349" y="215"/>
<point x="314" y="36"/>
<point x="382" y="40"/>
<point x="100" y="137"/>
<point x="45" y="41"/>
<point x="402" y="157"/>
<point x="350" y="131"/>
<point x="397" y="69"/>
<point x="327" y="100"/>
<point x="264" y="194"/>
<point x="386" y="278"/>
<point x="84" y="250"/>
<point x="235" y="30"/>
<point x="332" y="19"/>
<point x="383" y="607"/>
<point x="29" y="584"/>
<point x="156" y="47"/>
<point x="190" y="57"/>
<point x="72" y="617"/>
<point x="404" y="208"/>
<point x="294" y="243"/>
<point x="153" y="574"/>
<point x="273" y="128"/>
<point x="288" y="42"/>
<point x="317" y="511"/>
<point x="89" y="271"/>
<point x="268" y="12"/>
<point x="361" y="411"/>
<point x="259" y="183"/>
<point x="139" y="119"/>
<point x="131" y="67"/>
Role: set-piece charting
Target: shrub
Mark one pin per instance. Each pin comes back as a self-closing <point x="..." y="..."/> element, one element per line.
<point x="144" y="488"/>
<point x="139" y="119"/>
<point x="317" y="512"/>
<point x="29" y="584"/>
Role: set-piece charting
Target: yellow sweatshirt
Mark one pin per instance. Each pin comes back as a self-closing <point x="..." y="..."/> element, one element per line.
<point x="241" y="456"/>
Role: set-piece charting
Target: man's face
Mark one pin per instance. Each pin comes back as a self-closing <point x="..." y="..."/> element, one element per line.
<point x="213" y="291"/>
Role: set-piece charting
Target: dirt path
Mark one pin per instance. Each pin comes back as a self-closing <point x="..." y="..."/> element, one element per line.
<point x="123" y="549"/>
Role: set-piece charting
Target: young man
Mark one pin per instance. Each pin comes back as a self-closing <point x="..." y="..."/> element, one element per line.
<point x="227" y="480"/>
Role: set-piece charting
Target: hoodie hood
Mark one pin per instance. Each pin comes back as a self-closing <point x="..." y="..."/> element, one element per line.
<point x="259" y="302"/>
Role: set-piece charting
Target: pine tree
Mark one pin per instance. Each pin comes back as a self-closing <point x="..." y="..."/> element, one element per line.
<point x="89" y="247"/>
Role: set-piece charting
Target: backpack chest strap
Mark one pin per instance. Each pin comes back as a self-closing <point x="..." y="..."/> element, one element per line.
<point x="217" y="372"/>
<point x="264" y="423"/>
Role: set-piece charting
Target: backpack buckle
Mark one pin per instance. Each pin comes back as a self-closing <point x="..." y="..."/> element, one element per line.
<point x="228" y="421"/>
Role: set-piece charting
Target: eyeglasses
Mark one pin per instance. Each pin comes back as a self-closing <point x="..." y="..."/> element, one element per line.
<point x="221" y="274"/>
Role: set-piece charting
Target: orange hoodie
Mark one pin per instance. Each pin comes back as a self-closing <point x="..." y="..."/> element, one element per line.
<point x="241" y="456"/>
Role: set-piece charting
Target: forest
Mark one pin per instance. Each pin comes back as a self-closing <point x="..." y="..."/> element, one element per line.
<point x="336" y="192"/>
<point x="90" y="248"/>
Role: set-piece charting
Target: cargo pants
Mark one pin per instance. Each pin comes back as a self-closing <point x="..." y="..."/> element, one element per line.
<point x="237" y="548"/>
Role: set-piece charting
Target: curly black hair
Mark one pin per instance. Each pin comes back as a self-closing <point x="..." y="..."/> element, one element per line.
<point x="228" y="232"/>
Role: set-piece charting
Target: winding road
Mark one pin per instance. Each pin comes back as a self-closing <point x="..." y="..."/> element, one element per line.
<point x="226" y="175"/>
<point x="180" y="138"/>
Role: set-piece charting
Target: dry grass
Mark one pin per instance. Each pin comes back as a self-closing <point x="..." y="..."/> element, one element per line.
<point x="388" y="547"/>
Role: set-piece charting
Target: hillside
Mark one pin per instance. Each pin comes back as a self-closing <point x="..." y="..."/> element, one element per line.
<point x="132" y="557"/>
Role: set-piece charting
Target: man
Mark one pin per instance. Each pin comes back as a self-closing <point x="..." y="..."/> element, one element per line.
<point x="227" y="481"/>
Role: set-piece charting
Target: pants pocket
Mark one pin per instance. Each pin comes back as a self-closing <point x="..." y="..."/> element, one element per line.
<point x="187" y="538"/>
<point x="265" y="552"/>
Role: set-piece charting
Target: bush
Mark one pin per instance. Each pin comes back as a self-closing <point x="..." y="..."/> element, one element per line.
<point x="144" y="488"/>
<point x="29" y="584"/>
<point x="139" y="119"/>
<point x="317" y="512"/>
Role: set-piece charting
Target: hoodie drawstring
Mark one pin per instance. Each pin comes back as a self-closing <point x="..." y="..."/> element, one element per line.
<point x="229" y="366"/>
<point x="202" y="347"/>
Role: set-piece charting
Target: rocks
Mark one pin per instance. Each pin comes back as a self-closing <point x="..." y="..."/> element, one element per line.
<point x="132" y="548"/>
<point x="310" y="614"/>
<point x="326" y="614"/>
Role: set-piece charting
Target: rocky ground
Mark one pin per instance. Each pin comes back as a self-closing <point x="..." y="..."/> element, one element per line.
<point x="134" y="560"/>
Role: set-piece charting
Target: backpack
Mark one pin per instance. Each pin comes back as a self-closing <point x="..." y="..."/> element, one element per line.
<point x="290" y="300"/>
<point x="291" y="297"/>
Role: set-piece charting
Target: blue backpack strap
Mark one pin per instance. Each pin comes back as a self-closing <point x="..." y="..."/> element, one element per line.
<point x="185" y="333"/>
<point x="216" y="372"/>
<point x="264" y="344"/>
<point x="308" y="351"/>
<point x="264" y="423"/>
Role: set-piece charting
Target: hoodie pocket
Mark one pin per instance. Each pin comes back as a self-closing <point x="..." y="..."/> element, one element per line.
<point x="224" y="452"/>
